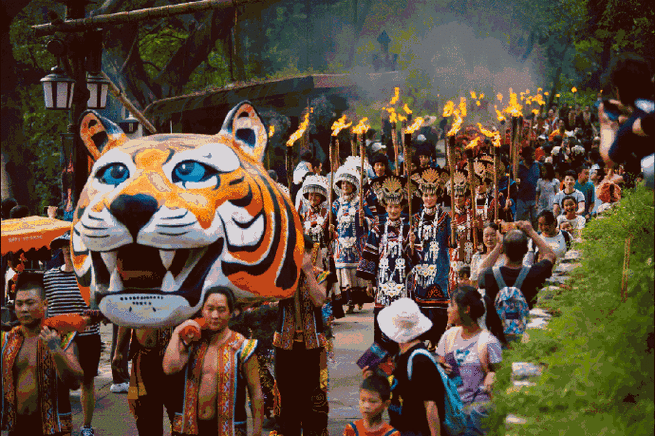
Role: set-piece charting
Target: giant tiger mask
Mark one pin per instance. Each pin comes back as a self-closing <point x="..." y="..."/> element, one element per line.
<point x="163" y="218"/>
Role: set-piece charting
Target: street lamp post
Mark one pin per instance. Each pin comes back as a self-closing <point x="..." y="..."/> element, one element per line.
<point x="75" y="87"/>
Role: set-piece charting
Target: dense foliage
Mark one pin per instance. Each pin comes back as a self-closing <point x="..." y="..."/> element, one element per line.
<point x="597" y="352"/>
<point x="444" y="47"/>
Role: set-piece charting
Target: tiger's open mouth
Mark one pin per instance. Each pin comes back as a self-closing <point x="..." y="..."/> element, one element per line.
<point x="136" y="268"/>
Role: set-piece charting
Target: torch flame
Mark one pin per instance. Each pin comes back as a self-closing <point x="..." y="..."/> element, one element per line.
<point x="481" y="96"/>
<point x="448" y="108"/>
<point x="339" y="125"/>
<point x="361" y="127"/>
<point x="301" y="131"/>
<point x="485" y="132"/>
<point x="546" y="93"/>
<point x="500" y="97"/>
<point x="456" y="125"/>
<point x="473" y="96"/>
<point x="406" y="109"/>
<point x="462" y="106"/>
<point x="514" y="108"/>
<point x="415" y="125"/>
<point x="496" y="140"/>
<point x="477" y="103"/>
<point x="271" y="130"/>
<point x="499" y="114"/>
<point x="535" y="111"/>
<point x="395" y="97"/>
<point x="574" y="90"/>
<point x="392" y="115"/>
<point x="473" y="143"/>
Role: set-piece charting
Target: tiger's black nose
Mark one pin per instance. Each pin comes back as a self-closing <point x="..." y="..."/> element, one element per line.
<point x="134" y="211"/>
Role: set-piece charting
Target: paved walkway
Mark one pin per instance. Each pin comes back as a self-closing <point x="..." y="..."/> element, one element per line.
<point x="353" y="334"/>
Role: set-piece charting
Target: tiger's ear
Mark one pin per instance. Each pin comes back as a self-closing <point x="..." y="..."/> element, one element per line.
<point x="246" y="127"/>
<point x="100" y="134"/>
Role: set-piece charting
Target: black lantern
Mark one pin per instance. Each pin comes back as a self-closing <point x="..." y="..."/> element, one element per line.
<point x="58" y="90"/>
<point x="98" y="87"/>
<point x="129" y="125"/>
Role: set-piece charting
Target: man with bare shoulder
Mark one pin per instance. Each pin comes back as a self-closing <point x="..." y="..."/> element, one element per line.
<point x="150" y="390"/>
<point x="39" y="366"/>
<point x="218" y="367"/>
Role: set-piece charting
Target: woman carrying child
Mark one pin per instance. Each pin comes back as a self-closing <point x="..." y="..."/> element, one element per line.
<point x="471" y="355"/>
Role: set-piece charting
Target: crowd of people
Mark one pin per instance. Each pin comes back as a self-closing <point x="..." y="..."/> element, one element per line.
<point x="449" y="257"/>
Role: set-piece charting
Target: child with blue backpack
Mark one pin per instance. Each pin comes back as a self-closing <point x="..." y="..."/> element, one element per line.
<point x="470" y="356"/>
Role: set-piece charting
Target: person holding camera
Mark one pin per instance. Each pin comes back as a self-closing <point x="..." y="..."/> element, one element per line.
<point x="515" y="245"/>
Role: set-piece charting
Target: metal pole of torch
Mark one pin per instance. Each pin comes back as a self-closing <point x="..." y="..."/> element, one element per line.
<point x="353" y="145"/>
<point x="407" y="143"/>
<point x="450" y="144"/>
<point x="362" y="144"/>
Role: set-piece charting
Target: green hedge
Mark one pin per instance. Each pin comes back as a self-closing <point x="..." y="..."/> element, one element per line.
<point x="597" y="352"/>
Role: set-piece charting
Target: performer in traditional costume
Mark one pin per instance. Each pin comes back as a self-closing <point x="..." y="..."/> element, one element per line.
<point x="463" y="223"/>
<point x="39" y="366"/>
<point x="432" y="231"/>
<point x="314" y="212"/>
<point x="217" y="368"/>
<point x="349" y="235"/>
<point x="300" y="342"/>
<point x="388" y="255"/>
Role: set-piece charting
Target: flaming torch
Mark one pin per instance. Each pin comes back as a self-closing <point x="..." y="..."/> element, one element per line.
<point x="360" y="129"/>
<point x="337" y="127"/>
<point x="292" y="139"/>
<point x="407" y="143"/>
<point x="449" y="109"/>
<point x="470" y="150"/>
<point x="514" y="109"/>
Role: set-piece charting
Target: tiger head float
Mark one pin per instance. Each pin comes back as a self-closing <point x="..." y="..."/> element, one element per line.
<point x="164" y="218"/>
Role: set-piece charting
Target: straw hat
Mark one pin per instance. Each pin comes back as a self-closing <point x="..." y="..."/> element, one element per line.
<point x="402" y="321"/>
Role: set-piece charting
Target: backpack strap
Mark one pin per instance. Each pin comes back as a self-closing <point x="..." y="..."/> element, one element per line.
<point x="499" y="277"/>
<point x="354" y="427"/>
<point x="390" y="432"/>
<point x="522" y="275"/>
<point x="410" y="361"/>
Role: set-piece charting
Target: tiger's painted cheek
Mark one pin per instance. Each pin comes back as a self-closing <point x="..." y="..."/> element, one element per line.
<point x="200" y="206"/>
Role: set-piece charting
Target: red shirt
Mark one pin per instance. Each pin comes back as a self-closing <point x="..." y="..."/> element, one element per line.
<point x="357" y="429"/>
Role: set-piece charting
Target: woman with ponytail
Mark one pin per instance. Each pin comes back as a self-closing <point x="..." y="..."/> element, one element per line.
<point x="470" y="355"/>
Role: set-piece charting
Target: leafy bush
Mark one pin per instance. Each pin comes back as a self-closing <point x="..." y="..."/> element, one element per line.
<point x="597" y="353"/>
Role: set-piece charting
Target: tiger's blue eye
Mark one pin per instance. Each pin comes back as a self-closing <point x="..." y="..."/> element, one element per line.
<point x="113" y="174"/>
<point x="190" y="171"/>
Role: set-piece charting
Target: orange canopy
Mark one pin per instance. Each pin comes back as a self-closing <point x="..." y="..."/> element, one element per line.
<point x="31" y="232"/>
